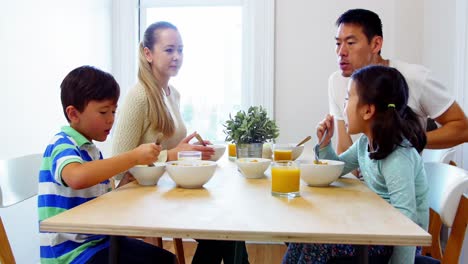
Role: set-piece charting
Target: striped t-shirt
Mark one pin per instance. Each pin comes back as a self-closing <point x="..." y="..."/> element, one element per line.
<point x="55" y="197"/>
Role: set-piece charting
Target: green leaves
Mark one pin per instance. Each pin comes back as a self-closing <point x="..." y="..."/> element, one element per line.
<point x="251" y="127"/>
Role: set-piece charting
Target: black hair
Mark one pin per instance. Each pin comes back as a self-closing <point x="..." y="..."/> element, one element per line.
<point x="368" y="20"/>
<point x="85" y="84"/>
<point x="386" y="89"/>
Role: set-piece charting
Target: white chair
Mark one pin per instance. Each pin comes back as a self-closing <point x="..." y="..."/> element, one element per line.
<point x="439" y="155"/>
<point x="18" y="182"/>
<point x="449" y="206"/>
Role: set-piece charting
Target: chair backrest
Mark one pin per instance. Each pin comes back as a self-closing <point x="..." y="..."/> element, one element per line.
<point x="448" y="205"/>
<point x="18" y="182"/>
<point x="19" y="179"/>
<point x="439" y="155"/>
<point x="446" y="185"/>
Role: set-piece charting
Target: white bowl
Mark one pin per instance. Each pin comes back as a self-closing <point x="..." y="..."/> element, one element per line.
<point x="253" y="168"/>
<point x="320" y="174"/>
<point x="296" y="150"/>
<point x="191" y="174"/>
<point x="219" y="151"/>
<point x="146" y="175"/>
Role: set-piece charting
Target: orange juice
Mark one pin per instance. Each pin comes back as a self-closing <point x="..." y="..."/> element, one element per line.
<point x="285" y="179"/>
<point x="283" y="154"/>
<point x="232" y="151"/>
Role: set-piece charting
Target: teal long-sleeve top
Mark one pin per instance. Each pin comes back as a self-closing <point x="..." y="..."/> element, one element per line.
<point x="400" y="179"/>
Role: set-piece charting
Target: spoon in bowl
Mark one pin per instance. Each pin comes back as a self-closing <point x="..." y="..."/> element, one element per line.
<point x="317" y="147"/>
<point x="158" y="142"/>
<point x="304" y="141"/>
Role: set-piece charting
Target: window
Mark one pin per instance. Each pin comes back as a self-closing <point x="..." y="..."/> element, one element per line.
<point x="209" y="80"/>
<point x="228" y="55"/>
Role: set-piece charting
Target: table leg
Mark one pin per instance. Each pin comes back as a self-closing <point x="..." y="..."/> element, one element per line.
<point x="113" y="250"/>
<point x="362" y="252"/>
<point x="238" y="252"/>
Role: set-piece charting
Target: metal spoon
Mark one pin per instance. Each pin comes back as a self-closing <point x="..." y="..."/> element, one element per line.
<point x="304" y="141"/>
<point x="317" y="147"/>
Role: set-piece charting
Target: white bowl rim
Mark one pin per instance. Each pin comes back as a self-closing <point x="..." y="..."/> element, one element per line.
<point x="156" y="164"/>
<point x="246" y="160"/>
<point x="330" y="162"/>
<point x="196" y="162"/>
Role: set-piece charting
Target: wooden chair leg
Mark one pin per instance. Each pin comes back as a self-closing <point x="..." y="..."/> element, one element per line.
<point x="457" y="234"/>
<point x="179" y="250"/>
<point x="435" y="224"/>
<point x="6" y="254"/>
<point x="155" y="241"/>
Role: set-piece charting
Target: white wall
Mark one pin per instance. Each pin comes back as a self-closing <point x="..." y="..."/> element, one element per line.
<point x="305" y="57"/>
<point x="41" y="41"/>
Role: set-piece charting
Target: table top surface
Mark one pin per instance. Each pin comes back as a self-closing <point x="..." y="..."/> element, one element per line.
<point x="232" y="207"/>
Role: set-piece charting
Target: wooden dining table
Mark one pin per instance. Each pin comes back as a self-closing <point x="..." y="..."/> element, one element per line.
<point x="232" y="207"/>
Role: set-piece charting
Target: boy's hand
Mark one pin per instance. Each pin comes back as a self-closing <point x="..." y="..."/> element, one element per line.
<point x="147" y="153"/>
<point x="328" y="124"/>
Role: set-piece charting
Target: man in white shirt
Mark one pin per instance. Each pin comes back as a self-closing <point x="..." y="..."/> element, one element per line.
<point x="359" y="40"/>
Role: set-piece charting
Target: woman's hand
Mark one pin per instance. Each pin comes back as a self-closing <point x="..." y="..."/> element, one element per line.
<point x="328" y="124"/>
<point x="184" y="145"/>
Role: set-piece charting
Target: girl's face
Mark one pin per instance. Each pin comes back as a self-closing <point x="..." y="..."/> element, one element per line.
<point x="166" y="55"/>
<point x="354" y="119"/>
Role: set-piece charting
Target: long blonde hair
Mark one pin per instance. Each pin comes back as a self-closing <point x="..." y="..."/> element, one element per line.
<point x="160" y="118"/>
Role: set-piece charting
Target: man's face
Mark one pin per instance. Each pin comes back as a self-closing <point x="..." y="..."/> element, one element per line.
<point x="353" y="49"/>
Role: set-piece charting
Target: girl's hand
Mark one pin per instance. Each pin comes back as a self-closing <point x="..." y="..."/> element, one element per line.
<point x="328" y="124"/>
<point x="184" y="144"/>
<point x="146" y="153"/>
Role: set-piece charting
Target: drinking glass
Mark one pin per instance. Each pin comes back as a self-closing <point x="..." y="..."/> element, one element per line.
<point x="189" y="155"/>
<point x="282" y="152"/>
<point x="232" y="151"/>
<point x="285" y="179"/>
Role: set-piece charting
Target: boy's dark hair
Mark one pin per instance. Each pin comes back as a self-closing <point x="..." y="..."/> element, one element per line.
<point x="394" y="120"/>
<point x="85" y="84"/>
<point x="368" y="20"/>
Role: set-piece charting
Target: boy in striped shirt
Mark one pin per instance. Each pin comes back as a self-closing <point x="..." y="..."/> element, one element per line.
<point x="73" y="171"/>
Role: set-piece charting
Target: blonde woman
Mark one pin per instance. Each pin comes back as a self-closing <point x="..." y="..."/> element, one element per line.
<point x="151" y="113"/>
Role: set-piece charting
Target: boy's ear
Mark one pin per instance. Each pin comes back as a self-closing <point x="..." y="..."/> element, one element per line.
<point x="368" y="111"/>
<point x="73" y="114"/>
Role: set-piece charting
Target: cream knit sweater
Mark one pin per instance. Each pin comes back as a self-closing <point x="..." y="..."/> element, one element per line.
<point x="133" y="128"/>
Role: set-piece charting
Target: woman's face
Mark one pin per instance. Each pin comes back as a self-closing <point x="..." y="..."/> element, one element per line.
<point x="166" y="55"/>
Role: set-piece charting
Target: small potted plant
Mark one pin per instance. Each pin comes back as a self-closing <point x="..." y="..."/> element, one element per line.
<point x="249" y="130"/>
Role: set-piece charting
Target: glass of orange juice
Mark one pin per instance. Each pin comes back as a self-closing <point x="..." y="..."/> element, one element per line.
<point x="282" y="152"/>
<point x="285" y="179"/>
<point x="232" y="151"/>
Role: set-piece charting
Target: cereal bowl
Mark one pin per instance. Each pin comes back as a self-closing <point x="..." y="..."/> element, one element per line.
<point x="146" y="175"/>
<point x="296" y="151"/>
<point x="219" y="152"/>
<point x="320" y="174"/>
<point x="191" y="174"/>
<point x="253" y="168"/>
